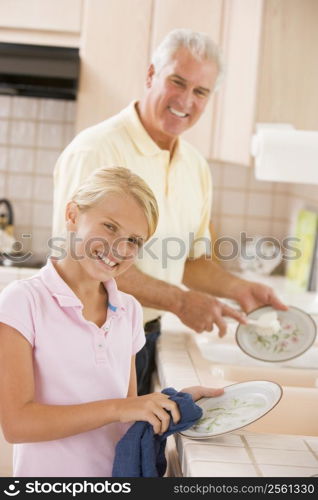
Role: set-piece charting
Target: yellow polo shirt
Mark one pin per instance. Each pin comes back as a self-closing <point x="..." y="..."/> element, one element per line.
<point x="182" y="186"/>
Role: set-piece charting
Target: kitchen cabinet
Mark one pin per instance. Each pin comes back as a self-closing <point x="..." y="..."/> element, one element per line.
<point x="289" y="64"/>
<point x="234" y="121"/>
<point x="206" y="16"/>
<point x="270" y="50"/>
<point x="114" y="55"/>
<point x="44" y="22"/>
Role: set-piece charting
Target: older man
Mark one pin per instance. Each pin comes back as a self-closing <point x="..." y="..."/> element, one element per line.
<point x="145" y="138"/>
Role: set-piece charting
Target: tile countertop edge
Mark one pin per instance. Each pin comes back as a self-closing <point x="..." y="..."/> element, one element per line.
<point x="180" y="364"/>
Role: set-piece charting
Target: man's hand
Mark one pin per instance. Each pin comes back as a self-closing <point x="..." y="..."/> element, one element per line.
<point x="200" y="311"/>
<point x="198" y="392"/>
<point x="251" y="295"/>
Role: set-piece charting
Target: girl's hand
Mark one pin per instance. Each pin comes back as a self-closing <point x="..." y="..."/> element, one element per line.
<point x="149" y="408"/>
<point x="198" y="392"/>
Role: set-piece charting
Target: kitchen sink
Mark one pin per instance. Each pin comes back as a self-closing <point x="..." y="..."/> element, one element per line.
<point x="228" y="362"/>
<point x="296" y="413"/>
<point x="220" y="362"/>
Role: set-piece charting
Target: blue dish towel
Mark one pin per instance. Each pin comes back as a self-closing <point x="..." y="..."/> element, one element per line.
<point x="140" y="452"/>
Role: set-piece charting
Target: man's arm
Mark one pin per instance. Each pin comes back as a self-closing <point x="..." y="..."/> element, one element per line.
<point x="207" y="276"/>
<point x="195" y="309"/>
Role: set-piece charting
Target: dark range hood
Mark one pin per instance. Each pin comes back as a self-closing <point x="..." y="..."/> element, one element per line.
<point x="39" y="71"/>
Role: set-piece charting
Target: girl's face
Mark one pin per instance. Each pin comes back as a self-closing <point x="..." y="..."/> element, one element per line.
<point x="107" y="235"/>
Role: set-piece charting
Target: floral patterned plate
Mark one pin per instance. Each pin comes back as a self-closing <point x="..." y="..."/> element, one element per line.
<point x="297" y="333"/>
<point x="240" y="405"/>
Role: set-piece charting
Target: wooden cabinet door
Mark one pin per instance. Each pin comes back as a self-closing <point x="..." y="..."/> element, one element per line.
<point x="289" y="70"/>
<point x="114" y="57"/>
<point x="45" y="15"/>
<point x="235" y="110"/>
<point x="199" y="15"/>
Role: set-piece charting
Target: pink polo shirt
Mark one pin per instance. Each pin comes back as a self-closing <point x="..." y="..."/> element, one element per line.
<point x="75" y="362"/>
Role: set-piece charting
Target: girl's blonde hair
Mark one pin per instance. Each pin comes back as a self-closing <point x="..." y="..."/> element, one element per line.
<point x="118" y="180"/>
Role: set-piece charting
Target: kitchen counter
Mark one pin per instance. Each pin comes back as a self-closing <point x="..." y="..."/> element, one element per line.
<point x="247" y="452"/>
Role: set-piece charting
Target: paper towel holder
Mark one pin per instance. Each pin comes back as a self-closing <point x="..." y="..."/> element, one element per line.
<point x="283" y="154"/>
<point x="265" y="126"/>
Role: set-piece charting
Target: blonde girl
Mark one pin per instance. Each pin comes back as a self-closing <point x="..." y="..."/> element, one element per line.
<point x="68" y="338"/>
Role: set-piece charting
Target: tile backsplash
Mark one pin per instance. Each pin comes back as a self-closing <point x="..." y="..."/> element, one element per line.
<point x="33" y="132"/>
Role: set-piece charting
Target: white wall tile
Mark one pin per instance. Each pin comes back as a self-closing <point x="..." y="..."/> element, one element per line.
<point x="235" y="176"/>
<point x="70" y="111"/>
<point x="24" y="107"/>
<point x="43" y="188"/>
<point x="22" y="133"/>
<point x="42" y="215"/>
<point x="259" y="204"/>
<point x="20" y="187"/>
<point x="280" y="206"/>
<point x="233" y="202"/>
<point x="3" y="183"/>
<point x="3" y="158"/>
<point x="257" y="227"/>
<point x="45" y="161"/>
<point x="281" y="187"/>
<point x="22" y="212"/>
<point x="50" y="135"/>
<point x="40" y="238"/>
<point x="68" y="134"/>
<point x="230" y="226"/>
<point x="4" y="129"/>
<point x="255" y="184"/>
<point x="52" y="110"/>
<point x="279" y="229"/>
<point x="216" y="202"/>
<point x="26" y="124"/>
<point x="5" y="102"/>
<point x="21" y="160"/>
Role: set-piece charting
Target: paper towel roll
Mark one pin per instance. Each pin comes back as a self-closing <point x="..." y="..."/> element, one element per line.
<point x="286" y="155"/>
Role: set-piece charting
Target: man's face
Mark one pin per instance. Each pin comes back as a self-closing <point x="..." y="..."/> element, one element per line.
<point x="178" y="94"/>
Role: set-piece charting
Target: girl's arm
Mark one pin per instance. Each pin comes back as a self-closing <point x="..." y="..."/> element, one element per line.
<point x="132" y="389"/>
<point x="25" y="420"/>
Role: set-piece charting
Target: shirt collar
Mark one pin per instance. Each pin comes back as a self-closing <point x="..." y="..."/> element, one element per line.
<point x="67" y="298"/>
<point x="138" y="133"/>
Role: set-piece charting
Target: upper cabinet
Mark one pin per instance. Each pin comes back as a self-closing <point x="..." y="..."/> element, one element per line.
<point x="203" y="15"/>
<point x="288" y="84"/>
<point x="236" y="99"/>
<point x="44" y="22"/>
<point x="270" y="48"/>
<point x="114" y="55"/>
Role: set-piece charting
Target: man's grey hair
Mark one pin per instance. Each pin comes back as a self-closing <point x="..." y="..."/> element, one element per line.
<point x="201" y="46"/>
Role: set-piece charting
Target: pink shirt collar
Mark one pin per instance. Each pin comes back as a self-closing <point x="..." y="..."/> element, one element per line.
<point x="67" y="298"/>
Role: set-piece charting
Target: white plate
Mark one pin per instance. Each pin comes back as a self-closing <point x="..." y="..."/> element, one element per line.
<point x="240" y="405"/>
<point x="297" y="334"/>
